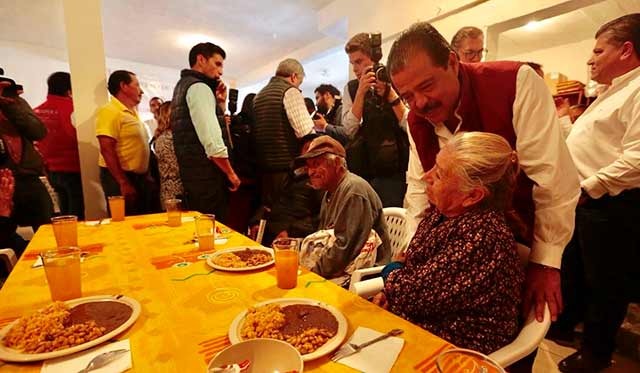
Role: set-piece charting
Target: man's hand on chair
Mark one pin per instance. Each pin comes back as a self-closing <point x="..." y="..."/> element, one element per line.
<point x="542" y="285"/>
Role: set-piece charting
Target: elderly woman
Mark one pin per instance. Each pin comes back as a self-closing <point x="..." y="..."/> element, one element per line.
<point x="461" y="278"/>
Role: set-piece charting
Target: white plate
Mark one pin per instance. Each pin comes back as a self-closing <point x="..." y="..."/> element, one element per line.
<point x="10" y="354"/>
<point x="332" y="344"/>
<point x="240" y="248"/>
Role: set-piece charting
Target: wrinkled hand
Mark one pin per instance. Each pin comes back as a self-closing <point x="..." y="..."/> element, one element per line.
<point x="129" y="193"/>
<point x="542" y="286"/>
<point x="7" y="185"/>
<point x="320" y="123"/>
<point x="221" y="92"/>
<point x="380" y="300"/>
<point x="234" y="180"/>
<point x="367" y="81"/>
<point x="227" y="119"/>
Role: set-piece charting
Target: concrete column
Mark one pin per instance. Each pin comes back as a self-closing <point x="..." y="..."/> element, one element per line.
<point x="85" y="45"/>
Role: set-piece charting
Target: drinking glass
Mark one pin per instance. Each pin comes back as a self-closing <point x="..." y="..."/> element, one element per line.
<point x="116" y="206"/>
<point x="461" y="360"/>
<point x="174" y="213"/>
<point x="65" y="229"/>
<point x="205" y="231"/>
<point x="286" y="252"/>
<point x="62" y="268"/>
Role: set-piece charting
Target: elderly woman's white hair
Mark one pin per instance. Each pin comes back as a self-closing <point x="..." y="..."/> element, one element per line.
<point x="485" y="160"/>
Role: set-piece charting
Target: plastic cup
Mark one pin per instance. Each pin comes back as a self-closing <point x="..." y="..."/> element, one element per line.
<point x="174" y="212"/>
<point x="116" y="206"/>
<point x="286" y="252"/>
<point x="65" y="228"/>
<point x="62" y="268"/>
<point x="206" y="231"/>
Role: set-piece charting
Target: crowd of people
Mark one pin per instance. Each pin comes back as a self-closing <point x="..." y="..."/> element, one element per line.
<point x="477" y="152"/>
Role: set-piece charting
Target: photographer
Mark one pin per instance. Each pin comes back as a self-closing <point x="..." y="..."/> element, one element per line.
<point x="19" y="128"/>
<point x="375" y="119"/>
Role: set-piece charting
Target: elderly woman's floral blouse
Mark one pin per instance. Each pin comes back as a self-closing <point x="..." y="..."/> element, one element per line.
<point x="170" y="182"/>
<point x="462" y="280"/>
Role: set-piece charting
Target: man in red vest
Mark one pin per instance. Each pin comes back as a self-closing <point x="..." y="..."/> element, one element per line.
<point x="506" y="98"/>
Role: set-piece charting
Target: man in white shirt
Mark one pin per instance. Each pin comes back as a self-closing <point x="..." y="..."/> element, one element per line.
<point x="282" y="120"/>
<point x="602" y="260"/>
<point x="507" y="98"/>
<point x="205" y="170"/>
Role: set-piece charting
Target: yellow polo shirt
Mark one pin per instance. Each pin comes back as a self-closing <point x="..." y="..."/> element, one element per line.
<point x="122" y="124"/>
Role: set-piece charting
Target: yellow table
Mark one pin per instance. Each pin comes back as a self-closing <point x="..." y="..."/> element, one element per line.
<point x="186" y="307"/>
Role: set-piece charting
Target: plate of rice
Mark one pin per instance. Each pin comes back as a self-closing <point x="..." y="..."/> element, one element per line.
<point x="241" y="258"/>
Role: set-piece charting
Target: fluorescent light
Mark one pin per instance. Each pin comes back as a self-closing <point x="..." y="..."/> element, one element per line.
<point x="189" y="40"/>
<point x="532" y="26"/>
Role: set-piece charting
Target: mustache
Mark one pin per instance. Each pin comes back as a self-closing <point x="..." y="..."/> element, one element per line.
<point x="429" y="107"/>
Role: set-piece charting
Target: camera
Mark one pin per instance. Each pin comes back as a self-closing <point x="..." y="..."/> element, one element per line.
<point x="233" y="100"/>
<point x="376" y="55"/>
<point x="10" y="91"/>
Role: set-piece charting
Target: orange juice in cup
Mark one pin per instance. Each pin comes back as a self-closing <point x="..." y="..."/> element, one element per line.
<point x="174" y="214"/>
<point x="206" y="231"/>
<point x="62" y="268"/>
<point x="116" y="206"/>
<point x="286" y="256"/>
<point x="65" y="229"/>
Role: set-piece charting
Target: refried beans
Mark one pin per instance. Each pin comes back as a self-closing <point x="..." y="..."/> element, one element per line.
<point x="300" y="317"/>
<point x="109" y="315"/>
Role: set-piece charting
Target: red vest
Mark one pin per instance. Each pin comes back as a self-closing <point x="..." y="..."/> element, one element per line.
<point x="487" y="92"/>
<point x="60" y="147"/>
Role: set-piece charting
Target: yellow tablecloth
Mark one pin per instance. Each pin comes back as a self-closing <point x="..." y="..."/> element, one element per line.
<point x="186" y="307"/>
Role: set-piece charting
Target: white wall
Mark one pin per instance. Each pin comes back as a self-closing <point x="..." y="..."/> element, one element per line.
<point x="569" y="59"/>
<point x="30" y="65"/>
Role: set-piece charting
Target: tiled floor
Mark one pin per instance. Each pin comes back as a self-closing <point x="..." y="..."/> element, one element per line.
<point x="550" y="353"/>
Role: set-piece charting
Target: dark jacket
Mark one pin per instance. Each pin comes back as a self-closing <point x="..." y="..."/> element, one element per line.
<point x="18" y="132"/>
<point x="198" y="173"/>
<point x="276" y="142"/>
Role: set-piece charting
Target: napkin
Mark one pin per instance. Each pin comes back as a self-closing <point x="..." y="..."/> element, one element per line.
<point x="379" y="357"/>
<point x="79" y="360"/>
<point x="97" y="222"/>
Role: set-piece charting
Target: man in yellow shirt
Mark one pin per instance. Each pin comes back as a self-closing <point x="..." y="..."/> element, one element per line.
<point x="124" y="145"/>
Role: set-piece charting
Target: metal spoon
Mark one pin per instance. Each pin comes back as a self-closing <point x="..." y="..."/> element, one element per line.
<point x="103" y="359"/>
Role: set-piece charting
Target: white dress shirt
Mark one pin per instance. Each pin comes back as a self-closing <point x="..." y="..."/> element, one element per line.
<point x="543" y="157"/>
<point x="605" y="140"/>
<point x="297" y="112"/>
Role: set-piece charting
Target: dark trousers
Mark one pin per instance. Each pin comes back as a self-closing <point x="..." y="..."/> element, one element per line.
<point x="144" y="202"/>
<point x="600" y="268"/>
<point x="209" y="196"/>
<point x="32" y="204"/>
<point x="271" y="185"/>
<point x="68" y="186"/>
<point x="390" y="189"/>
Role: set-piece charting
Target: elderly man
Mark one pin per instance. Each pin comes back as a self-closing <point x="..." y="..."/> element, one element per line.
<point x="602" y="259"/>
<point x="468" y="43"/>
<point x="506" y="98"/>
<point x="350" y="207"/>
<point x="124" y="145"/>
<point x="203" y="158"/>
<point x="282" y="120"/>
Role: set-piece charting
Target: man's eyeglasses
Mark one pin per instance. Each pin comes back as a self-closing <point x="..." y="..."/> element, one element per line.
<point x="469" y="53"/>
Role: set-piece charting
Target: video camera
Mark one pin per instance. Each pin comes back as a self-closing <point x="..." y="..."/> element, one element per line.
<point x="376" y="55"/>
<point x="10" y="91"/>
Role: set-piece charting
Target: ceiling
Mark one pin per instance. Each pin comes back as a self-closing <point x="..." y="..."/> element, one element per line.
<point x="564" y="29"/>
<point x="251" y="32"/>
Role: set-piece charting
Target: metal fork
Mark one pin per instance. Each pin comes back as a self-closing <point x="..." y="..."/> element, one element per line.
<point x="349" y="349"/>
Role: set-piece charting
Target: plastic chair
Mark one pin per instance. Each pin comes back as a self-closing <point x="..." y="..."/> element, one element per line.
<point x="8" y="258"/>
<point x="530" y="336"/>
<point x="396" y="218"/>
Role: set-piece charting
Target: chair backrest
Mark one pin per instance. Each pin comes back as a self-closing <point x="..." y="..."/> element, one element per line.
<point x="396" y="219"/>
